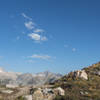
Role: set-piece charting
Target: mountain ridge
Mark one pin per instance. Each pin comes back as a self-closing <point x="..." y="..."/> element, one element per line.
<point x="27" y="78"/>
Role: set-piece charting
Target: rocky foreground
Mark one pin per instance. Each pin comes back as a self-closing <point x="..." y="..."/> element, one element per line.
<point x="46" y="92"/>
<point x="78" y="85"/>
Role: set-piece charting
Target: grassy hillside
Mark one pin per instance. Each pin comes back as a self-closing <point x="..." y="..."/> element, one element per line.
<point x="80" y="89"/>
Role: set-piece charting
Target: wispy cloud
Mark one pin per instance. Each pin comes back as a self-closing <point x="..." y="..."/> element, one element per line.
<point x="44" y="57"/>
<point x="37" y="37"/>
<point x="36" y="32"/>
<point x="71" y="48"/>
<point x="29" y="25"/>
<point x="25" y="16"/>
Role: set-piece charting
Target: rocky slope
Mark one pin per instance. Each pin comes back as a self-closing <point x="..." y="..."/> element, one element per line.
<point x="27" y="78"/>
<point x="81" y="85"/>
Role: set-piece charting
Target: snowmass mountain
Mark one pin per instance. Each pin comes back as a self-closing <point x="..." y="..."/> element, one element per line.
<point x="27" y="78"/>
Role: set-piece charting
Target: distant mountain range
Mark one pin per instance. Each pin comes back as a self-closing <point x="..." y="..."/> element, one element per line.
<point x="27" y="78"/>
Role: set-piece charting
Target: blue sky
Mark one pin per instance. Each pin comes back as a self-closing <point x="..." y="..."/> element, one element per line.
<point x="55" y="35"/>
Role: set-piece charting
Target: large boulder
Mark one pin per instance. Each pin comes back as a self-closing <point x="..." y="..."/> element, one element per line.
<point x="81" y="74"/>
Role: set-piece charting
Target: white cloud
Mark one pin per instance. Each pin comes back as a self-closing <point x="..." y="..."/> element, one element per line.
<point x="44" y="57"/>
<point x="37" y="37"/>
<point x="34" y="36"/>
<point x="38" y="30"/>
<point x="73" y="49"/>
<point x="25" y="16"/>
<point x="30" y="25"/>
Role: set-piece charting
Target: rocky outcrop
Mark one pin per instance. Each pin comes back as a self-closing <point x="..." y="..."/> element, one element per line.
<point x="30" y="93"/>
<point x="81" y="74"/>
<point x="47" y="93"/>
